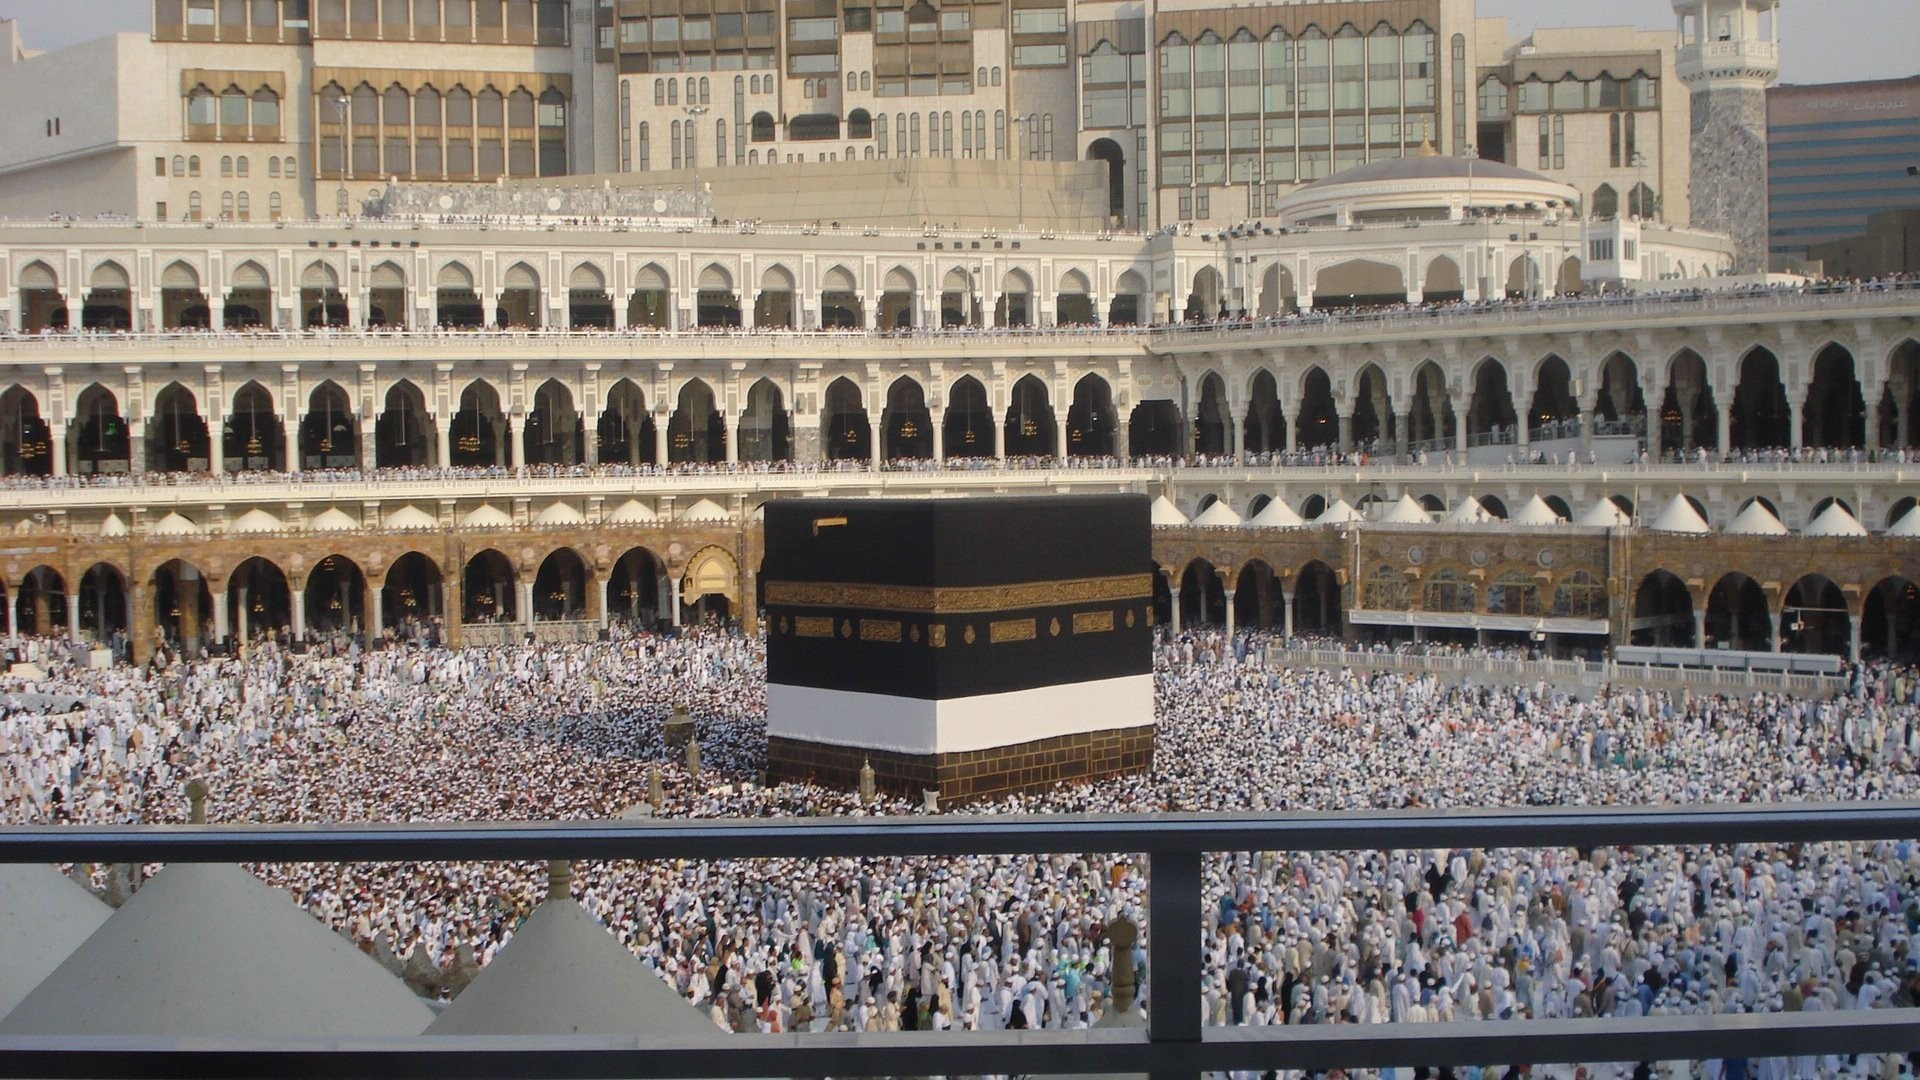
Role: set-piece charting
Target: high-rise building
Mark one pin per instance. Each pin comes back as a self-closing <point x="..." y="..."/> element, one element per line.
<point x="1205" y="113"/>
<point x="1729" y="54"/>
<point x="1838" y="154"/>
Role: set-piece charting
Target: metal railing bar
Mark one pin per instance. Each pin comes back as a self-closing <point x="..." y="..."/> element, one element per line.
<point x="961" y="834"/>
<point x="1311" y="1047"/>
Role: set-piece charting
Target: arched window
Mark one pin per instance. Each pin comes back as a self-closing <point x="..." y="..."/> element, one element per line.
<point x="980" y="78"/>
<point x="853" y="81"/>
<point x="491" y="108"/>
<point x="704" y="99"/>
<point x="233" y="113"/>
<point x="266" y="114"/>
<point x="366" y="106"/>
<point x="193" y="206"/>
<point x="739" y="85"/>
<point x="273" y="167"/>
<point x="240" y="166"/>
<point x="806" y="88"/>
<point x="226" y="206"/>
<point x="193" y="165"/>
<point x="673" y="91"/>
<point x="1385" y="590"/>
<point x="520" y="109"/>
<point x="246" y="207"/>
<point x="289" y="168"/>
<point x="659" y="91"/>
<point x="1450" y="590"/>
<point x="179" y="165"/>
<point x="1606" y="202"/>
<point x="1514" y="593"/>
<point x="201" y="109"/>
<point x="996" y="76"/>
<point x="646" y="146"/>
<point x="226" y="166"/>
<point x="273" y="205"/>
<point x="719" y="142"/>
<point x="866" y="80"/>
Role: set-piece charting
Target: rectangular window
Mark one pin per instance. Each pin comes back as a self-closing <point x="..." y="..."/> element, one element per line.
<point x="696" y="29"/>
<point x="813" y="65"/>
<point x="160" y="166"/>
<point x="1600" y="250"/>
<point x="812" y="29"/>
<point x="1546" y="144"/>
<point x="1533" y="97"/>
<point x="761" y="23"/>
<point x="956" y="19"/>
<point x="633" y="32"/>
<point x="199" y="12"/>
<point x="859" y="19"/>
<point x="1629" y="250"/>
<point x="729" y="25"/>
<point x="1025" y="56"/>
<point x="891" y="22"/>
<point x="1559" y="141"/>
<point x="1040" y="21"/>
<point x="1186" y="204"/>
<point x="666" y="29"/>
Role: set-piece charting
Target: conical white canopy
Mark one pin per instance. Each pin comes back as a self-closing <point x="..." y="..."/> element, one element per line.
<point x="1679" y="516"/>
<point x="333" y="519"/>
<point x="487" y="516"/>
<point x="114" y="525"/>
<point x="1164" y="513"/>
<point x="706" y="510"/>
<point x="1340" y="513"/>
<point x="1217" y="516"/>
<point x="559" y="514"/>
<point x="411" y="517"/>
<point x="44" y="916"/>
<point x="633" y="512"/>
<point x="208" y="949"/>
<point x="1907" y="526"/>
<point x="256" y="521"/>
<point x="1605" y="514"/>
<point x="1834" y="521"/>
<point x="174" y="524"/>
<point x="563" y="974"/>
<point x="1755" y="520"/>
<point x="1471" y="511"/>
<point x="1277" y="515"/>
<point x="1536" y="513"/>
<point x="1407" y="511"/>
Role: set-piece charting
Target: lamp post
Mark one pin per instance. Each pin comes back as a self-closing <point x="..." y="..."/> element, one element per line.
<point x="1470" y="152"/>
<point x="346" y="159"/>
<point x="694" y="113"/>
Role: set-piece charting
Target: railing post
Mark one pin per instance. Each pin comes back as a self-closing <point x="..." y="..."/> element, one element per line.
<point x="1173" y="952"/>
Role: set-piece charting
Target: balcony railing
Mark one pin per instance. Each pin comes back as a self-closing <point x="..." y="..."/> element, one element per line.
<point x="1175" y="1043"/>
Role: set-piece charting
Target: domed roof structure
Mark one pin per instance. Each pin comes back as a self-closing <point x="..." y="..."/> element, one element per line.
<point x="1471" y="511"/>
<point x="633" y="512"/>
<point x="114" y="525"/>
<point x="256" y="521"/>
<point x="174" y="524"/>
<point x="1340" y="513"/>
<point x="487" y="516"/>
<point x="411" y="517"/>
<point x="332" y="519"/>
<point x="559" y="514"/>
<point x="706" y="510"/>
<point x="1424" y="187"/>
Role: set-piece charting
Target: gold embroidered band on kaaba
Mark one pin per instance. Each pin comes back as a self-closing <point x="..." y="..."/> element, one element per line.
<point x="968" y="600"/>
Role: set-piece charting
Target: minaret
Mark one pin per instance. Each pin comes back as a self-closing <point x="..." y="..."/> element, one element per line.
<point x="1729" y="54"/>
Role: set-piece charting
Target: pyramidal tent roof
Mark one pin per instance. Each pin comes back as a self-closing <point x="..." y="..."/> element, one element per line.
<point x="1217" y="516"/>
<point x="560" y="514"/>
<point x="115" y="525"/>
<point x="1407" y="511"/>
<point x="1834" y="521"/>
<point x="1535" y="513"/>
<point x="174" y="524"/>
<point x="207" y="949"/>
<point x="334" y="519"/>
<point x="487" y="516"/>
<point x="1907" y="526"/>
<point x="411" y="517"/>
<point x="563" y="974"/>
<point x="1755" y="520"/>
<point x="1471" y="511"/>
<point x="1679" y="516"/>
<point x="1277" y="515"/>
<point x="632" y="512"/>
<point x="44" y="916"/>
<point x="1340" y="513"/>
<point x="1605" y="514"/>
<point x="706" y="510"/>
<point x="1164" y="513"/>
<point x="256" y="521"/>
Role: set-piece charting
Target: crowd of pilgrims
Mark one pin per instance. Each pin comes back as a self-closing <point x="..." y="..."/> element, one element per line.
<point x="569" y="732"/>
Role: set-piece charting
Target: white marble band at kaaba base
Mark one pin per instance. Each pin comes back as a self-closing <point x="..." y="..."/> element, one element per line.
<point x="958" y="725"/>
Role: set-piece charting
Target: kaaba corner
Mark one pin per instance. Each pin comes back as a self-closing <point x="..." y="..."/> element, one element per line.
<point x="973" y="646"/>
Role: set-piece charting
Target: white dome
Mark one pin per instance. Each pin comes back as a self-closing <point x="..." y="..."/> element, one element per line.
<point x="1340" y="513"/>
<point x="1407" y="511"/>
<point x="706" y="510"/>
<point x="1605" y="514"/>
<point x="411" y="517"/>
<point x="1164" y="514"/>
<point x="1679" y="516"/>
<point x="1471" y="511"/>
<point x="633" y="512"/>
<point x="1755" y="520"/>
<point x="1536" y="513"/>
<point x="1907" y="526"/>
<point x="560" y="514"/>
<point x="333" y="519"/>
<point x="1834" y="521"/>
<point x="256" y="521"/>
<point x="488" y="516"/>
<point x="115" y="525"/>
<point x="173" y="525"/>
<point x="1217" y="516"/>
<point x="1277" y="515"/>
<point x="1423" y="182"/>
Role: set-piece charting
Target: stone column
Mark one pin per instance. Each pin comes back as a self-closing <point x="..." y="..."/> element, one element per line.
<point x="1287" y="629"/>
<point x="1344" y="424"/>
<point x="732" y="425"/>
<point x="1726" y="426"/>
<point x="999" y="437"/>
<point x="73" y="617"/>
<point x="1460" y="429"/>
<point x="13" y="617"/>
<point x="220" y="628"/>
<point x="660" y="438"/>
<point x="1122" y="439"/>
<point x="375" y="622"/>
<point x="299" y="614"/>
<point x="217" y="445"/>
<point x="1853" y="641"/>
<point x="443" y="432"/>
<point x="369" y="447"/>
<point x="1586" y="432"/>
<point x="57" y="447"/>
<point x="1794" y="411"/>
<point x="1236" y="443"/>
<point x="938" y="418"/>
<point x="516" y="437"/>
<point x="877" y="439"/>
<point x="1230" y="627"/>
<point x="1175" y="607"/>
<point x="526" y="605"/>
<point x="290" y="445"/>
<point x="1060" y="437"/>
<point x="600" y="600"/>
<point x="1402" y="432"/>
<point x="675" y="581"/>
<point x="1873" y="428"/>
<point x="240" y="611"/>
<point x="1699" y="629"/>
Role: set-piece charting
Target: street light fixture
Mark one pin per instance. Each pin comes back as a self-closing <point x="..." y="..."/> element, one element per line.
<point x="346" y="159"/>
<point x="694" y="113"/>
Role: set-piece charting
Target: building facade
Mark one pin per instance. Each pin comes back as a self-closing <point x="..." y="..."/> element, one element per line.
<point x="267" y="109"/>
<point x="1729" y="54"/>
<point x="1838" y="154"/>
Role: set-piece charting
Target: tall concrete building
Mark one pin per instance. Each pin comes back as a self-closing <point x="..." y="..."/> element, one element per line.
<point x="1200" y="112"/>
<point x="1729" y="54"/>
<point x="1837" y="156"/>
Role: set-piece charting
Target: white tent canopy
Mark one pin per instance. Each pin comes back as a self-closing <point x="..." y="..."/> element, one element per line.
<point x="633" y="512"/>
<point x="1277" y="515"/>
<point x="1908" y="525"/>
<point x="1340" y="513"/>
<point x="487" y="516"/>
<point x="333" y="519"/>
<point x="1834" y="521"/>
<point x="44" y="917"/>
<point x="1679" y="516"/>
<point x="1471" y="511"/>
<point x="411" y="517"/>
<point x="1755" y="520"/>
<point x="1407" y="511"/>
<point x="1605" y="514"/>
<point x="706" y="510"/>
<point x="209" y="950"/>
<point x="1536" y="513"/>
<point x="1164" y="513"/>
<point x="1217" y="516"/>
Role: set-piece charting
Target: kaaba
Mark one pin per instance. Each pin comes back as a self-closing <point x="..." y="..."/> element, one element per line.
<point x="973" y="646"/>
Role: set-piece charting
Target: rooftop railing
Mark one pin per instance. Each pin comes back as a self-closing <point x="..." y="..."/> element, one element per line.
<point x="1174" y="1044"/>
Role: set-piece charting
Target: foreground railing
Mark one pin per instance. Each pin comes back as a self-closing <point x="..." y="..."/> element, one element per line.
<point x="1174" y="1044"/>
